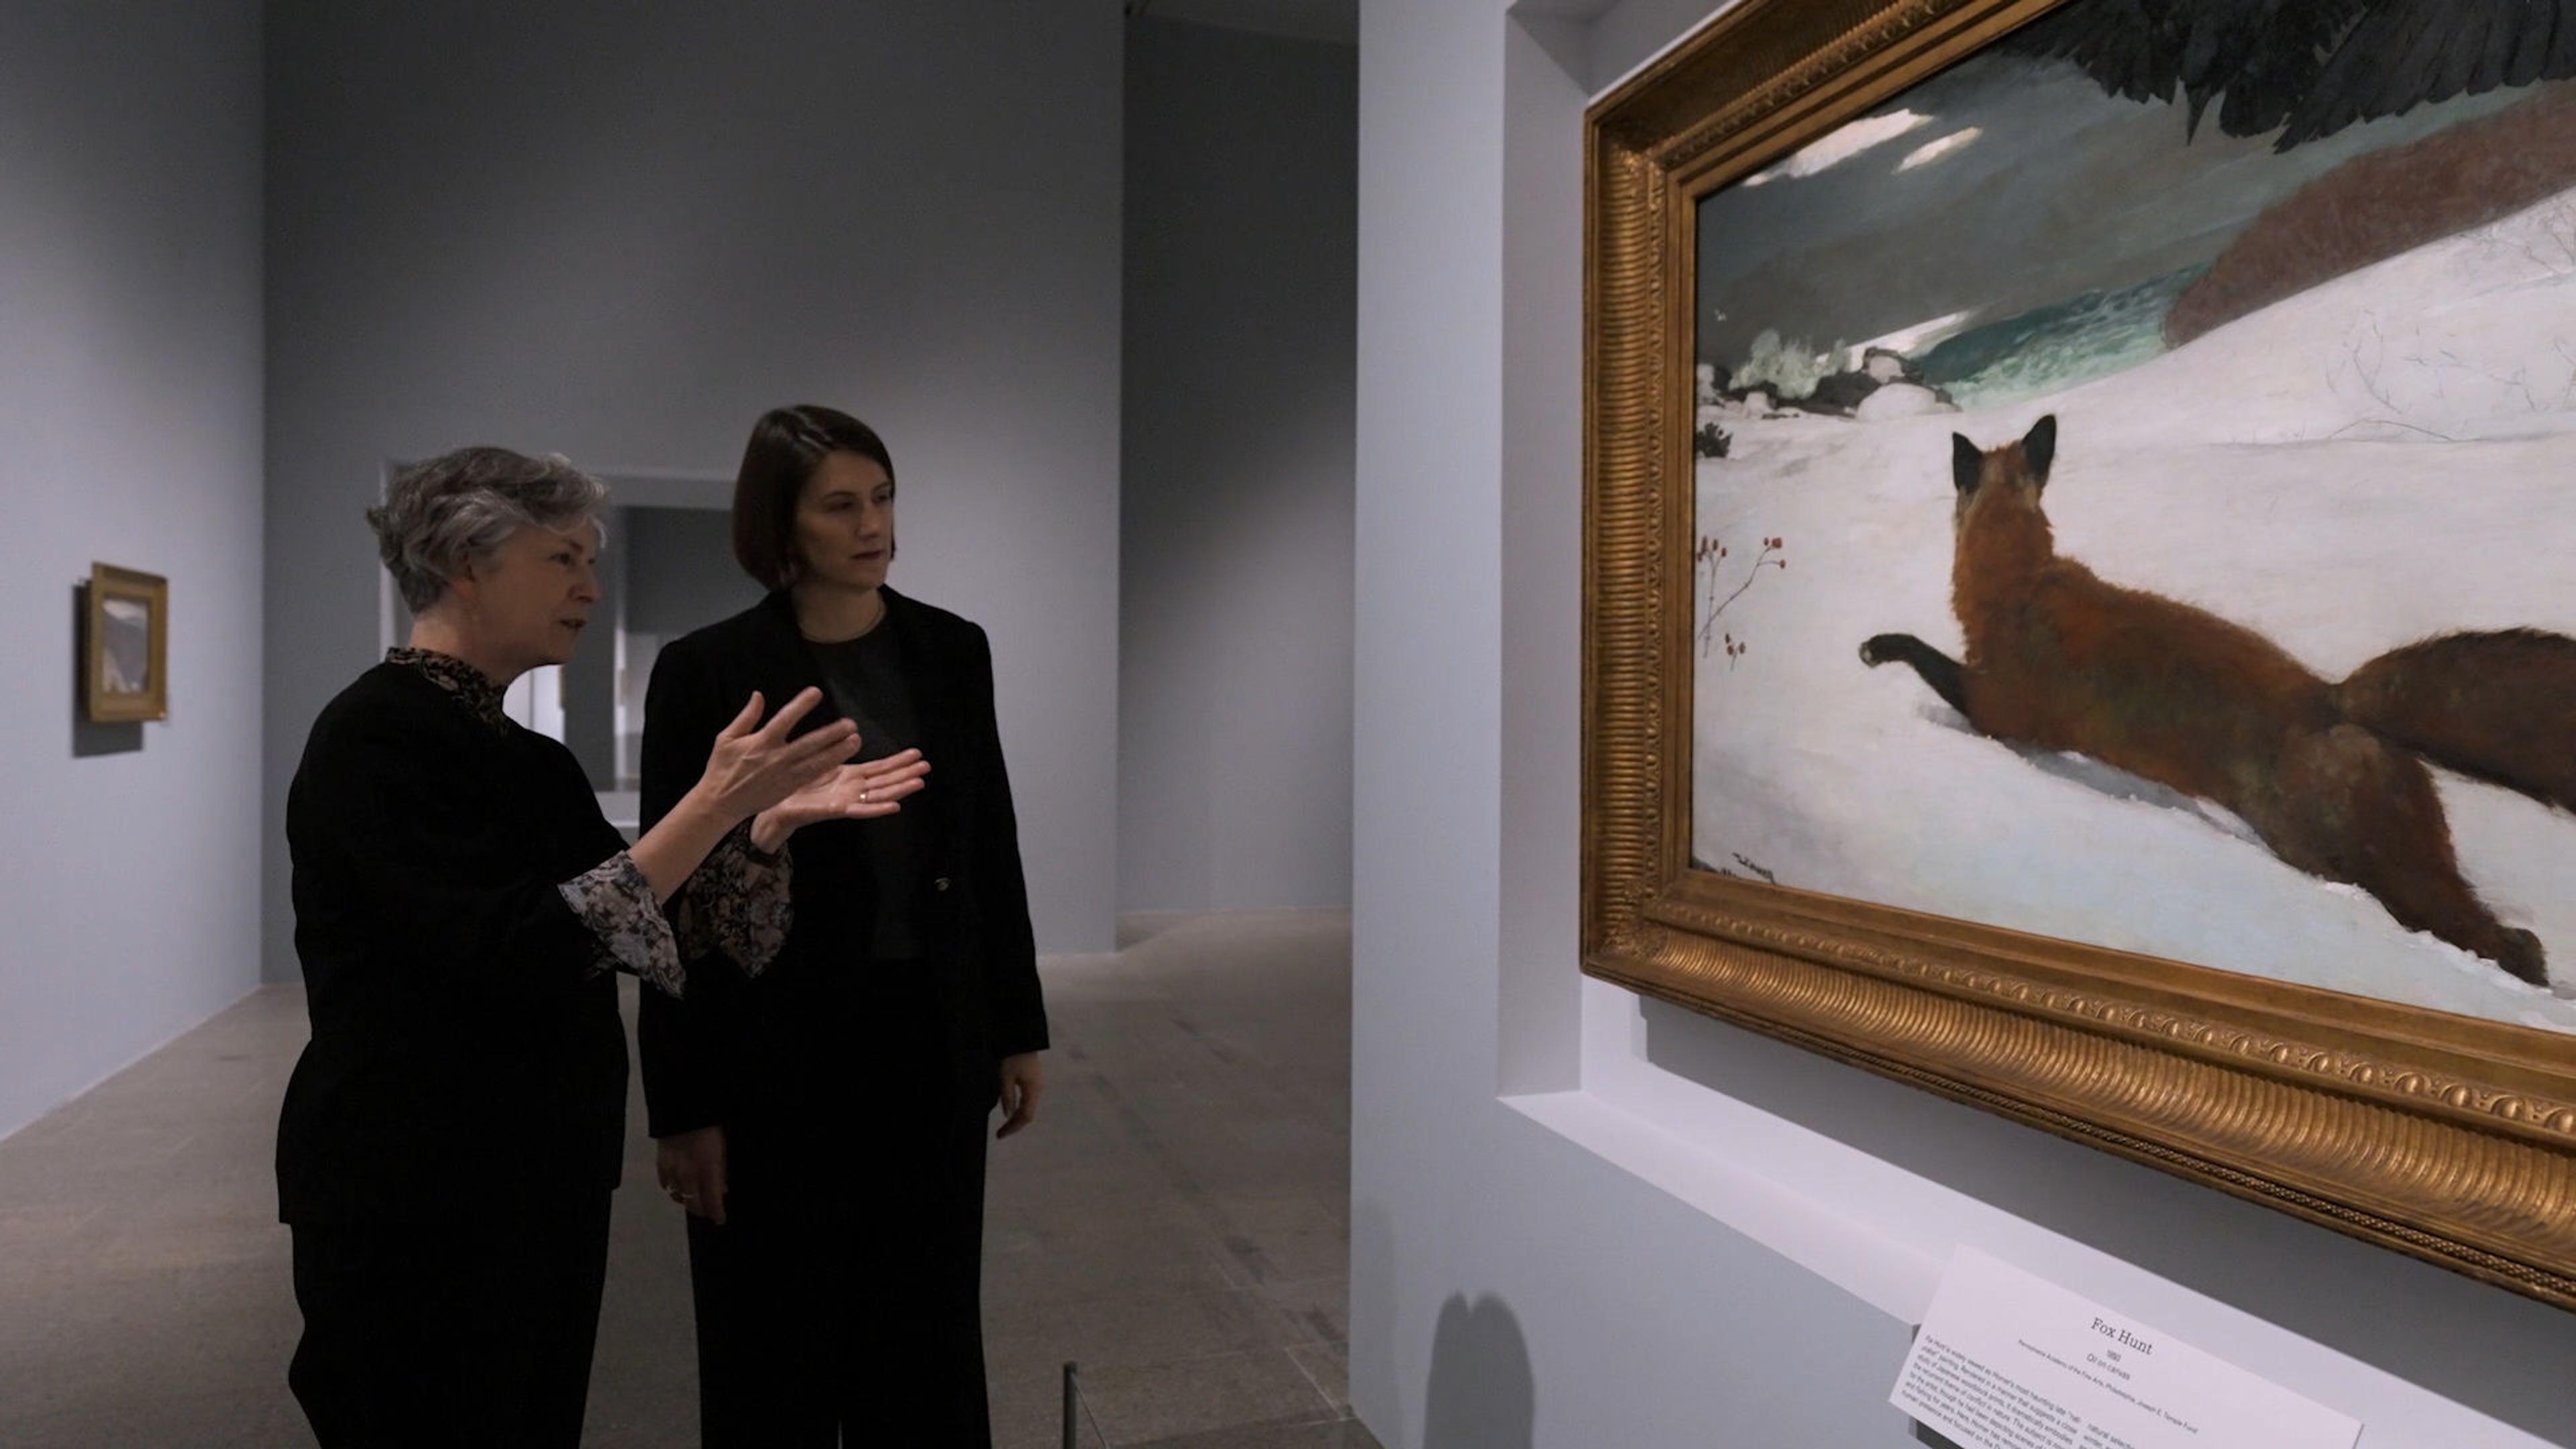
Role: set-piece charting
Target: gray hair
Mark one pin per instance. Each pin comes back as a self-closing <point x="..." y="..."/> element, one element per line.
<point x="459" y="507"/>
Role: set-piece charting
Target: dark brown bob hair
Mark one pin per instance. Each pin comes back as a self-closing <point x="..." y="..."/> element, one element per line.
<point x="786" y="446"/>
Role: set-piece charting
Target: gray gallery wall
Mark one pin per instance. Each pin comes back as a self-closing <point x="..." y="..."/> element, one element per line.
<point x="1579" y="1219"/>
<point x="679" y="570"/>
<point x="129" y="434"/>
<point x="621" y="232"/>
<point x="1235" y="515"/>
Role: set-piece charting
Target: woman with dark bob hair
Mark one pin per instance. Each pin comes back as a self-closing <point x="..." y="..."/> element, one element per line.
<point x="452" y="1131"/>
<point x="824" y="1124"/>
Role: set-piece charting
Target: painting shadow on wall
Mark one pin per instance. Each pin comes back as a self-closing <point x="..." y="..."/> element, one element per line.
<point x="2501" y="1355"/>
<point x="92" y="737"/>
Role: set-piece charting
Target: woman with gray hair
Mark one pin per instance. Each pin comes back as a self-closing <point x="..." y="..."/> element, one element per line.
<point x="452" y="1131"/>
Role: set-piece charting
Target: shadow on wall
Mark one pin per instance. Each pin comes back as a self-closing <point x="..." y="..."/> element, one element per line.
<point x="2501" y="1355"/>
<point x="1481" y="1394"/>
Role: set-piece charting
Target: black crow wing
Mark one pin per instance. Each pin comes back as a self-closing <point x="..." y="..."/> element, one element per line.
<point x="2261" y="56"/>
<point x="2405" y="53"/>
<point x="2131" y="48"/>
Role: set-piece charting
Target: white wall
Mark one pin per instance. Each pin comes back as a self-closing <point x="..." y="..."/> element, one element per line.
<point x="1580" y="1222"/>
<point x="621" y="232"/>
<point x="129" y="434"/>
<point x="1235" y="512"/>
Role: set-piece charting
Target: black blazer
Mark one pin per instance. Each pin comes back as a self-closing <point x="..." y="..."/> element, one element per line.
<point x="762" y="1047"/>
<point x="467" y="1059"/>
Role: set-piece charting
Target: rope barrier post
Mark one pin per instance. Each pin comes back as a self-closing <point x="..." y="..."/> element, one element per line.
<point x="1072" y="1404"/>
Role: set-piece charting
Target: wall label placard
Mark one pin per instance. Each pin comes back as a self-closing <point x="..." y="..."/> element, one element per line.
<point x="2005" y="1360"/>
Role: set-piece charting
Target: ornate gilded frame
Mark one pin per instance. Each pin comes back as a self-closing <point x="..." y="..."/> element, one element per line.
<point x="2445" y="1137"/>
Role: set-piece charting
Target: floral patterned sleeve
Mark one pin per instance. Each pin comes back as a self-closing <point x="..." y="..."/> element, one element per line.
<point x="735" y="905"/>
<point x="616" y="902"/>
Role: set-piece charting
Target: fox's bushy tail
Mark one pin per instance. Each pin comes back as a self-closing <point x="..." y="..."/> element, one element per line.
<point x="2499" y="707"/>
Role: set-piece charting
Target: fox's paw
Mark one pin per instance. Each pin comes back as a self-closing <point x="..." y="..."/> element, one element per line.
<point x="1877" y="649"/>
<point x="2522" y="956"/>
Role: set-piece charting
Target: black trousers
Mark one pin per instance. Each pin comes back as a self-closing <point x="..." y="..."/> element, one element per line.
<point x="840" y="1301"/>
<point x="448" y="1334"/>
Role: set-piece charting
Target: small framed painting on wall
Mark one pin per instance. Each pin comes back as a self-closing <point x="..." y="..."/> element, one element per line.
<point x="127" y="653"/>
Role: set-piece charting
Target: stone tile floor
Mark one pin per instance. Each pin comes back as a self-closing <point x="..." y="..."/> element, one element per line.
<point x="1178" y="1224"/>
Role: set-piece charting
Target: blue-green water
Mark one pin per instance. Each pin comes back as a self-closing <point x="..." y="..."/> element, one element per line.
<point x="2050" y="349"/>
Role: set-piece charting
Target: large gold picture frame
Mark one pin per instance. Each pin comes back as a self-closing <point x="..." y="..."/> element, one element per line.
<point x="2446" y="1137"/>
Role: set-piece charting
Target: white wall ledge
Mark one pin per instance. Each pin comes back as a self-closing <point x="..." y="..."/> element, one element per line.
<point x="1883" y="1235"/>
<point x="1894" y="1277"/>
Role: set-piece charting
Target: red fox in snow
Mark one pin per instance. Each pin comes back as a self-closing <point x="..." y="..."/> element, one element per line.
<point x="2330" y="776"/>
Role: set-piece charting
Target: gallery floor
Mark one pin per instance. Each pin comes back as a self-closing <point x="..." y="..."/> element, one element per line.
<point x="1177" y="1224"/>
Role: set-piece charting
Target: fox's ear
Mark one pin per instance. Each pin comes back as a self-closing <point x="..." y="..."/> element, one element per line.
<point x="1967" y="463"/>
<point x="2039" y="448"/>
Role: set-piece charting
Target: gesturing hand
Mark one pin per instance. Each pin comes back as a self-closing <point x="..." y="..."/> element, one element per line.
<point x="752" y="768"/>
<point x="864" y="791"/>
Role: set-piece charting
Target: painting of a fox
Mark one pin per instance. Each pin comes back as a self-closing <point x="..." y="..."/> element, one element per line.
<point x="2331" y="776"/>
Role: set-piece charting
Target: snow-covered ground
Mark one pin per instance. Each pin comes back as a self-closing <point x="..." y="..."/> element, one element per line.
<point x="2387" y="456"/>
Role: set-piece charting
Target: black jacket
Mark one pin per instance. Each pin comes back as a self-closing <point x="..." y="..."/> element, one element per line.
<point x="467" y="1058"/>
<point x="766" y="1047"/>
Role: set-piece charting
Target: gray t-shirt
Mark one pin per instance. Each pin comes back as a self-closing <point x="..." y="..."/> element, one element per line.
<point x="865" y="679"/>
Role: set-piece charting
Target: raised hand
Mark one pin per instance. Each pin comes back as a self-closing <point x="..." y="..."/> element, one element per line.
<point x="755" y="766"/>
<point x="868" y="790"/>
